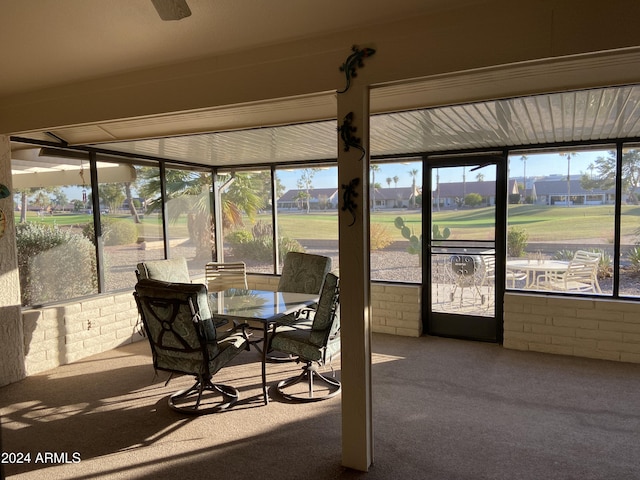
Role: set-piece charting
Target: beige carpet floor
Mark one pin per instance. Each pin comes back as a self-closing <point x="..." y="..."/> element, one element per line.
<point x="443" y="409"/>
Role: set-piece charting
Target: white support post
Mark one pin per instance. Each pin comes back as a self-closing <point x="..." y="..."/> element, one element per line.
<point x="355" y="302"/>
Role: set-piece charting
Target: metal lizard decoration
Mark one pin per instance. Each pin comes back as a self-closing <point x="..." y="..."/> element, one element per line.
<point x="353" y="62"/>
<point x="348" y="204"/>
<point x="346" y="130"/>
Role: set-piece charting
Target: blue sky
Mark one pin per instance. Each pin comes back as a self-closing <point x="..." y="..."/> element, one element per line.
<point x="537" y="165"/>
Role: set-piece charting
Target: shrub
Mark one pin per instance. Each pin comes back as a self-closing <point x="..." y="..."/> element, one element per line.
<point x="379" y="236"/>
<point x="54" y="264"/>
<point x="114" y="231"/>
<point x="516" y="241"/>
<point x="120" y="232"/>
<point x="258" y="244"/>
<point x="564" y="254"/>
<point x="473" y="199"/>
<point x="237" y="237"/>
<point x="634" y="257"/>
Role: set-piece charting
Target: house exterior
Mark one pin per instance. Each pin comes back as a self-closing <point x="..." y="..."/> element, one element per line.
<point x="327" y="198"/>
<point x="452" y="194"/>
<point x="554" y="192"/>
<point x="319" y="199"/>
<point x="398" y="197"/>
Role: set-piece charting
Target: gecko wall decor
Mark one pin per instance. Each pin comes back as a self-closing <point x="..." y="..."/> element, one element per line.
<point x="346" y="134"/>
<point x="348" y="195"/>
<point x="353" y="62"/>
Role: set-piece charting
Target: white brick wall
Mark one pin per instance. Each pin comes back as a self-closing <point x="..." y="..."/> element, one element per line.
<point x="66" y="333"/>
<point x="602" y="328"/>
<point x="584" y="327"/>
<point x="395" y="308"/>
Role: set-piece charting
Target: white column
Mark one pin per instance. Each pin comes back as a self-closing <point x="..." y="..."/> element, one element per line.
<point x="11" y="331"/>
<point x="355" y="304"/>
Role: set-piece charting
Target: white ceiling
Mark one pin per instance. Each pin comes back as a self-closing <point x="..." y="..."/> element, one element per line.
<point x="59" y="42"/>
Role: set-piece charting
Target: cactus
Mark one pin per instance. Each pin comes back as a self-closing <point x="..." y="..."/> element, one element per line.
<point x="415" y="241"/>
<point x="437" y="235"/>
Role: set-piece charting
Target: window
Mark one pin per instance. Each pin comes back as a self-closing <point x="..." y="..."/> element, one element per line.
<point x="396" y="193"/>
<point x="630" y="222"/>
<point x="54" y="234"/>
<point x="247" y="222"/>
<point x="561" y="202"/>
<point x="190" y="220"/>
<point x="131" y="226"/>
<point x="308" y="211"/>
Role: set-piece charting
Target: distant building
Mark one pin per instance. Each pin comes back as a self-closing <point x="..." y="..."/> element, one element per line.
<point x="398" y="197"/>
<point x="452" y="194"/>
<point x="327" y="198"/>
<point x="554" y="192"/>
<point x="320" y="199"/>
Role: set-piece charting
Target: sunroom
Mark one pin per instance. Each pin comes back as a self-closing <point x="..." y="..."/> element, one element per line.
<point x="210" y="196"/>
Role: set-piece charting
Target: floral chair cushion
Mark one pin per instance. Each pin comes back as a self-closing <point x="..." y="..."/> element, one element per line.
<point x="171" y="270"/>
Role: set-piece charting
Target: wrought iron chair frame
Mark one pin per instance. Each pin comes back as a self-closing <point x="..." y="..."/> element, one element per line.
<point x="201" y="346"/>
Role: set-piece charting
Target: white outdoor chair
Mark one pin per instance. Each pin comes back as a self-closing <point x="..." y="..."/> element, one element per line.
<point x="222" y="276"/>
<point x="581" y="275"/>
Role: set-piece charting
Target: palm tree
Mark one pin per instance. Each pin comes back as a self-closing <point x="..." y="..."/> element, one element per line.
<point x="523" y="159"/>
<point x="189" y="193"/>
<point x="568" y="155"/>
<point x="396" y="179"/>
<point x="389" y="180"/>
<point x="464" y="184"/>
<point x="374" y="168"/>
<point x="414" y="174"/>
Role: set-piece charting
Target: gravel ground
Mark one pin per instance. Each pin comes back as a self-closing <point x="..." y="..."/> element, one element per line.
<point x="391" y="264"/>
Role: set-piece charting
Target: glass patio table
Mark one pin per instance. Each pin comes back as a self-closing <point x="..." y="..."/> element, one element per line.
<point x="262" y="306"/>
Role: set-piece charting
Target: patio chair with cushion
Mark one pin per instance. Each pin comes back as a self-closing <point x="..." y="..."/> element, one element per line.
<point x="581" y="275"/>
<point x="183" y="340"/>
<point x="171" y="270"/>
<point x="314" y="346"/>
<point x="301" y="273"/>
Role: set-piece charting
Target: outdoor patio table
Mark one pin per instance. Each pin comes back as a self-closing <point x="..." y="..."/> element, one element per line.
<point x="259" y="305"/>
<point x="534" y="267"/>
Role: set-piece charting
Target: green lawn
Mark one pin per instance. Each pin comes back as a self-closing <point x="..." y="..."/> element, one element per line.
<point x="541" y="223"/>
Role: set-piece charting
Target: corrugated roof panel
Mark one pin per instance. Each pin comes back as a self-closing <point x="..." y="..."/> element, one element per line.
<point x="551" y="118"/>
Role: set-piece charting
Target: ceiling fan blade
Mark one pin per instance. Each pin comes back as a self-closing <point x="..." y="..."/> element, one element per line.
<point x="172" y="9"/>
